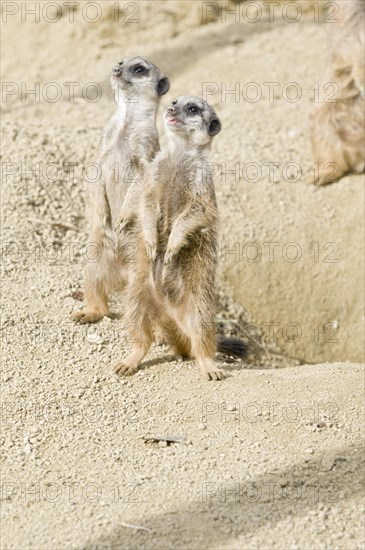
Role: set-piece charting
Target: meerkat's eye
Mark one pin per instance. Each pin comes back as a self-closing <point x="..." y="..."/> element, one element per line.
<point x="139" y="69"/>
<point x="193" y="109"/>
<point x="174" y="102"/>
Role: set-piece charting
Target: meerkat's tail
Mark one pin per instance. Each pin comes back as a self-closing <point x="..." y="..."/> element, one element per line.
<point x="232" y="346"/>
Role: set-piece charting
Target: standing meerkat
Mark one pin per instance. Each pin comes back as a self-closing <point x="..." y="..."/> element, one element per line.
<point x="173" y="286"/>
<point x="337" y="128"/>
<point x="129" y="144"/>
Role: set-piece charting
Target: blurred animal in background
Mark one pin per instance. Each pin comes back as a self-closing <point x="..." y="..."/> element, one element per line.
<point x="337" y="127"/>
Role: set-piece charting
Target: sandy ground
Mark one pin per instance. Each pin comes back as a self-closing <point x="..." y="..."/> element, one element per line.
<point x="273" y="456"/>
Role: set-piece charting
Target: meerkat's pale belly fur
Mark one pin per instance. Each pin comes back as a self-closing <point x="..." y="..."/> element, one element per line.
<point x="123" y="160"/>
<point x="193" y="268"/>
<point x="129" y="144"/>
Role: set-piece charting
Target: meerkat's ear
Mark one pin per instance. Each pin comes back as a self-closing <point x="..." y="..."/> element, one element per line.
<point x="163" y="85"/>
<point x="214" y="126"/>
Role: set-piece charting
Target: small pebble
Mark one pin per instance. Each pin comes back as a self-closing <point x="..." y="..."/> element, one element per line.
<point x="27" y="449"/>
<point x="321" y="425"/>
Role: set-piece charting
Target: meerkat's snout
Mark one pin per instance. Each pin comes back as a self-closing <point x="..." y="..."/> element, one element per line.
<point x="193" y="118"/>
<point x="141" y="75"/>
<point x="171" y="116"/>
<point x="117" y="70"/>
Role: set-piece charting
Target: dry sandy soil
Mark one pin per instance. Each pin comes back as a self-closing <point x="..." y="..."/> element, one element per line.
<point x="270" y="458"/>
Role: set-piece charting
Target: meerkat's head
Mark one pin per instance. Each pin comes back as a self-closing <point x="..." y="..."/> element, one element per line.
<point x="136" y="77"/>
<point x="192" y="119"/>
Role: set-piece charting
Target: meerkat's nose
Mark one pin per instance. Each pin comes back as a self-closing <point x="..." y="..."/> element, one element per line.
<point x="117" y="70"/>
<point x="171" y="110"/>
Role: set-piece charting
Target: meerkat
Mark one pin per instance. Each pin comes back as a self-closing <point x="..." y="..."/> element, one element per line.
<point x="337" y="128"/>
<point x="173" y="286"/>
<point x="130" y="141"/>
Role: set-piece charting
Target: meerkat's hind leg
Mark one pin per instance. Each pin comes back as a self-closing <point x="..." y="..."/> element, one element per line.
<point x="139" y="326"/>
<point x="102" y="275"/>
<point x="96" y="299"/>
<point x="143" y="338"/>
<point x="210" y="369"/>
<point x="173" y="335"/>
<point x="200" y="330"/>
<point x="88" y="315"/>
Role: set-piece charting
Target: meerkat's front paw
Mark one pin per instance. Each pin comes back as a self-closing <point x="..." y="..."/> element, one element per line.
<point x="169" y="254"/>
<point x="319" y="180"/>
<point x="151" y="249"/>
<point x="174" y="244"/>
<point x="309" y="179"/>
<point x="125" y="369"/>
<point x="88" y="315"/>
<point x="122" y="223"/>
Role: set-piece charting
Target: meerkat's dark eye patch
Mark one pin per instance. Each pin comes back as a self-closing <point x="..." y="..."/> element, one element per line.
<point x="214" y="127"/>
<point x="192" y="109"/>
<point x="140" y="70"/>
<point x="174" y="102"/>
<point x="163" y="85"/>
